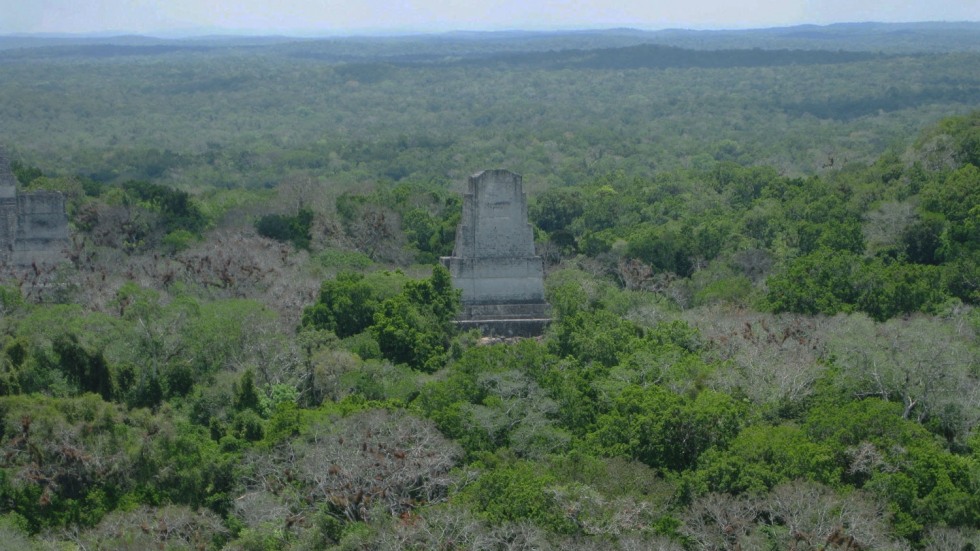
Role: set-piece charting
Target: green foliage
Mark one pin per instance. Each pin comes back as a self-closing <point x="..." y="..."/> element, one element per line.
<point x="25" y="174"/>
<point x="500" y="396"/>
<point x="184" y="464"/>
<point x="598" y="336"/>
<point x="922" y="240"/>
<point x="663" y="248"/>
<point x="245" y="425"/>
<point x="59" y="352"/>
<point x="743" y="184"/>
<point x="898" y="460"/>
<point x="294" y="229"/>
<point x="214" y="333"/>
<point x="432" y="236"/>
<point x="377" y="380"/>
<point x="760" y="458"/>
<point x="11" y="300"/>
<point x="889" y="289"/>
<point x="364" y="345"/>
<point x="71" y="459"/>
<point x="178" y="240"/>
<point x="87" y="370"/>
<point x="956" y="199"/>
<point x="342" y="260"/>
<point x="286" y="422"/>
<point x="176" y="207"/>
<point x="510" y="493"/>
<point x="556" y="209"/>
<point x="666" y="430"/>
<point x="735" y="289"/>
<point x="674" y="333"/>
<point x="828" y="282"/>
<point x="566" y="299"/>
<point x="962" y="133"/>
<point x="574" y="129"/>
<point x="347" y="304"/>
<point x="247" y="395"/>
<point x="920" y="362"/>
<point x="130" y="405"/>
<point x="415" y="326"/>
<point x="15" y="351"/>
<point x="426" y="213"/>
<point x="818" y="283"/>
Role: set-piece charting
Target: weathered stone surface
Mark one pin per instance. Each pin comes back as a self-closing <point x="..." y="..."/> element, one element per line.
<point x="42" y="228"/>
<point x="8" y="184"/>
<point x="8" y="227"/>
<point x="493" y="261"/>
<point x="33" y="226"/>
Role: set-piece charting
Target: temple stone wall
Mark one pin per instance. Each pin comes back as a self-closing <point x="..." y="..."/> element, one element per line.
<point x="8" y="226"/>
<point x="33" y="226"/>
<point x="42" y="228"/>
<point x="8" y="183"/>
<point x="493" y="262"/>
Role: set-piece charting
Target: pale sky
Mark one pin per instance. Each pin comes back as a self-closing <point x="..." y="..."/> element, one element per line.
<point x="316" y="17"/>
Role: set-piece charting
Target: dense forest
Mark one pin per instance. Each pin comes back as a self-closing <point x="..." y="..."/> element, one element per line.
<point x="762" y="254"/>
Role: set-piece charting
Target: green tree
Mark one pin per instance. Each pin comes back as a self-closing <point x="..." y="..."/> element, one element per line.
<point x="887" y="289"/>
<point x="817" y="283"/>
<point x="556" y="209"/>
<point x="760" y="458"/>
<point x="415" y="327"/>
<point x="594" y="336"/>
<point x="895" y="458"/>
<point x="25" y="174"/>
<point x="346" y="305"/>
<point x="922" y="240"/>
<point x="515" y="493"/>
<point x="177" y="207"/>
<point x="292" y="228"/>
<point x="247" y="395"/>
<point x="955" y="196"/>
<point x="663" y="429"/>
<point x="86" y="369"/>
<point x="666" y="249"/>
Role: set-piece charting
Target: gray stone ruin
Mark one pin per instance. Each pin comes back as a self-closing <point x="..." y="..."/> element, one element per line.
<point x="493" y="261"/>
<point x="33" y="226"/>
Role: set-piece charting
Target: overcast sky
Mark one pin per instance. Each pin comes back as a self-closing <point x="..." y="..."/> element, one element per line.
<point x="313" y="17"/>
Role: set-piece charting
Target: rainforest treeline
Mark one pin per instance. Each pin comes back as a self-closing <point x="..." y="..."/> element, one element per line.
<point x="765" y="319"/>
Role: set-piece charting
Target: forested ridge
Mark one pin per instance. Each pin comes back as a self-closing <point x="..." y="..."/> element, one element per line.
<point x="763" y="263"/>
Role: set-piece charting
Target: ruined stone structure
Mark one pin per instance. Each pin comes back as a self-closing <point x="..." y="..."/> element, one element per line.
<point x="33" y="226"/>
<point x="493" y="261"/>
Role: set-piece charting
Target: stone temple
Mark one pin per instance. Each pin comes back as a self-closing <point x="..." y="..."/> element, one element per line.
<point x="33" y="226"/>
<point x="493" y="261"/>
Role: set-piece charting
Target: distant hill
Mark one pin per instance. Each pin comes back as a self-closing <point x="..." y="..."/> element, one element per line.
<point x="654" y="56"/>
<point x="929" y="37"/>
<point x="884" y="37"/>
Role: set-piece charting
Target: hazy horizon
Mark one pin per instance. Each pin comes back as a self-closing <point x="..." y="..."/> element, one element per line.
<point x="204" y="32"/>
<point x="384" y="17"/>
